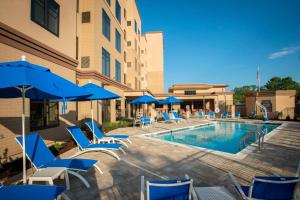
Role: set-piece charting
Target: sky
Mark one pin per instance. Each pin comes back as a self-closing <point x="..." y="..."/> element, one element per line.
<point x="224" y="41"/>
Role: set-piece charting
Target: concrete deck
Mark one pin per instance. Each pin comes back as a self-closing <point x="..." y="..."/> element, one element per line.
<point x="157" y="160"/>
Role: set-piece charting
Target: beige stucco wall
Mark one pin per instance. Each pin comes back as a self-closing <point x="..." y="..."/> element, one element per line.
<point x="155" y="67"/>
<point x="282" y="102"/>
<point x="16" y="14"/>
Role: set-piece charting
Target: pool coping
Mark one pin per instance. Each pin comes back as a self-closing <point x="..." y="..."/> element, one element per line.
<point x="240" y="155"/>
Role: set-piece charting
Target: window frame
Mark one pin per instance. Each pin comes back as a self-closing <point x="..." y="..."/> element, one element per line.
<point x="118" y="44"/>
<point x="118" y="77"/>
<point x="105" y="60"/>
<point x="106" y="19"/>
<point x="46" y="14"/>
<point x="118" y="14"/>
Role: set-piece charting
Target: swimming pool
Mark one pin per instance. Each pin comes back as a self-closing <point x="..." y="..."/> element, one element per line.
<point x="230" y="137"/>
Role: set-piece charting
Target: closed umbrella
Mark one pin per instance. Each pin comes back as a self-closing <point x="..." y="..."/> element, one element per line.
<point x="27" y="80"/>
<point x="97" y="93"/>
<point x="145" y="99"/>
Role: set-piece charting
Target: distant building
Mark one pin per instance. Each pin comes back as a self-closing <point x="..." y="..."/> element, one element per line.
<point x="280" y="104"/>
<point x="205" y="97"/>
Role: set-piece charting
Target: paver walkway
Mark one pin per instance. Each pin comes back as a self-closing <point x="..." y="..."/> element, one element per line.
<point x="157" y="160"/>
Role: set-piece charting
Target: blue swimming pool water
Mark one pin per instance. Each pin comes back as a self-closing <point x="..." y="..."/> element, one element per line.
<point x="230" y="137"/>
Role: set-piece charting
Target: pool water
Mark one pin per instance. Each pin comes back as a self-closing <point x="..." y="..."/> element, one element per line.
<point x="230" y="137"/>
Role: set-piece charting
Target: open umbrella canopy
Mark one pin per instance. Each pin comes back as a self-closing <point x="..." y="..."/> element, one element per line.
<point x="170" y="100"/>
<point x="97" y="93"/>
<point x="24" y="79"/>
<point x="144" y="100"/>
<point x="39" y="82"/>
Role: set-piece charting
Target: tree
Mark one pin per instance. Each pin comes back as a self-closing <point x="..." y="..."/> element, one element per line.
<point x="287" y="83"/>
<point x="240" y="93"/>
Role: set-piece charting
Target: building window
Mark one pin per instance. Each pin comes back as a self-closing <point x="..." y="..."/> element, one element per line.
<point x="85" y="17"/>
<point x="46" y="14"/>
<point x="129" y="64"/>
<point x="125" y="13"/>
<point x="105" y="25"/>
<point x="129" y="43"/>
<point x="142" y="51"/>
<point x="135" y="64"/>
<point x="135" y="26"/>
<point x="118" y="11"/>
<point x="128" y="23"/>
<point x="118" y="71"/>
<point x="43" y="114"/>
<point x="118" y="41"/>
<point x="190" y="92"/>
<point x="108" y="2"/>
<point x="125" y="56"/>
<point x="125" y="79"/>
<point x="105" y="63"/>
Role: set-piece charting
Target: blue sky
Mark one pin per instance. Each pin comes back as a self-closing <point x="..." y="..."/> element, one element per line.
<point x="223" y="41"/>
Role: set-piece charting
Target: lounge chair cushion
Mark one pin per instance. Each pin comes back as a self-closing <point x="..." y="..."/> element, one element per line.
<point x="105" y="146"/>
<point x="99" y="133"/>
<point x="30" y="192"/>
<point x="41" y="156"/>
<point x="75" y="163"/>
<point x="119" y="136"/>
<point x="272" y="191"/>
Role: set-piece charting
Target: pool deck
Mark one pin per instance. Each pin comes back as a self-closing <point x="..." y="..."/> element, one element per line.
<point x="157" y="159"/>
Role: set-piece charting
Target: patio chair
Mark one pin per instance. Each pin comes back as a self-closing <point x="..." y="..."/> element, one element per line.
<point x="85" y="146"/>
<point x="145" y="121"/>
<point x="167" y="118"/>
<point x="166" y="189"/>
<point x="200" y="114"/>
<point x="176" y="117"/>
<point x="99" y="134"/>
<point x="41" y="157"/>
<point x="32" y="192"/>
<point x="269" y="187"/>
<point x="211" y="114"/>
<point x="237" y="115"/>
<point x="225" y="115"/>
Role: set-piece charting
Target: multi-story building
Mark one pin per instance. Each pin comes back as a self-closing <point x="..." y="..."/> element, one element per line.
<point x="96" y="41"/>
<point x="45" y="32"/>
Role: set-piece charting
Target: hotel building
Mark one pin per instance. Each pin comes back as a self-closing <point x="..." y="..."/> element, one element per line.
<point x="98" y="41"/>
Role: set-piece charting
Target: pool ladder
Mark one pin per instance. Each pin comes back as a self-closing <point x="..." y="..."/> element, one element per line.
<point x="258" y="134"/>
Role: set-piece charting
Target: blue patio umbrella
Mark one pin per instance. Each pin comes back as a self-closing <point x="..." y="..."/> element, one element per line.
<point x="145" y="99"/>
<point x="171" y="100"/>
<point x="97" y="93"/>
<point x="27" y="80"/>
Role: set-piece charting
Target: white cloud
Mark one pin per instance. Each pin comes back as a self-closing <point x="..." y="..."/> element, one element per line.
<point x="283" y="52"/>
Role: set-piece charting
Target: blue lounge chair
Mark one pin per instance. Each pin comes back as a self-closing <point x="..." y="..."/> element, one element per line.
<point x="146" y="121"/>
<point x="176" y="116"/>
<point x="41" y="158"/>
<point x="200" y="114"/>
<point x="211" y="114"/>
<point x="166" y="189"/>
<point x="99" y="134"/>
<point x="225" y="114"/>
<point x="167" y="118"/>
<point x="85" y="146"/>
<point x="237" y="114"/>
<point x="31" y="192"/>
<point x="269" y="187"/>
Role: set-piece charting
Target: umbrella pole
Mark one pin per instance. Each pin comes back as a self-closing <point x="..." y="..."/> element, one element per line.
<point x="23" y="134"/>
<point x="93" y="125"/>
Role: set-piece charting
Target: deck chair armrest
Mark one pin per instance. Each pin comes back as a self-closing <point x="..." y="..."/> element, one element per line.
<point x="237" y="186"/>
<point x="142" y="195"/>
<point x="194" y="195"/>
